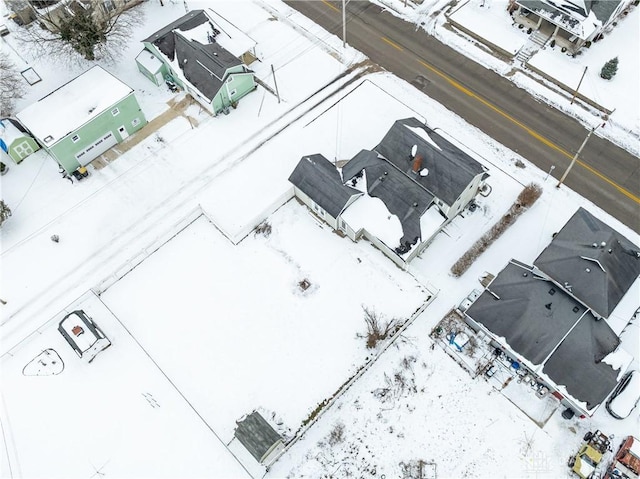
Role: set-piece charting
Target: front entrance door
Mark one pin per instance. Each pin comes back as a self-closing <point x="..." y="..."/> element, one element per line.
<point x="123" y="132"/>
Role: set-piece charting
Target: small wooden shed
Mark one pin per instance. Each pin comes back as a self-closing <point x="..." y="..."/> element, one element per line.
<point x="259" y="438"/>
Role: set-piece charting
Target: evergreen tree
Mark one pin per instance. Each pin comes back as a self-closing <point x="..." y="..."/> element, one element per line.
<point x="609" y="69"/>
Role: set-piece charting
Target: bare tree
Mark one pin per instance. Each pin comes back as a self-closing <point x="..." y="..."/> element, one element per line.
<point x="73" y="30"/>
<point x="11" y="86"/>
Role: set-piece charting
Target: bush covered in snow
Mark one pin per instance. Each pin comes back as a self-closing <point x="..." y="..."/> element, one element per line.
<point x="527" y="197"/>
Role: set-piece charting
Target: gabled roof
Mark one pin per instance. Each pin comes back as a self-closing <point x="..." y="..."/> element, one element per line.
<point x="402" y="196"/>
<point x="450" y="170"/>
<point x="548" y="328"/>
<point x="319" y="179"/>
<point x="203" y="64"/>
<point x="11" y="130"/>
<point x="73" y="104"/>
<point x="256" y="435"/>
<point x="598" y="264"/>
<point x="576" y="9"/>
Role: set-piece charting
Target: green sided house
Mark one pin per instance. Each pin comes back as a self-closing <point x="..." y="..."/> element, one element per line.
<point x="15" y="141"/>
<point x="190" y="53"/>
<point x="84" y="118"/>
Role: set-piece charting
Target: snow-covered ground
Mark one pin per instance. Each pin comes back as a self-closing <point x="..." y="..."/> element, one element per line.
<point x="203" y="331"/>
<point x="489" y="19"/>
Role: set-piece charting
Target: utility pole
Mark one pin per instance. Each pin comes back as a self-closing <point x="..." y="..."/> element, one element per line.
<point x="275" y="83"/>
<point x="579" y="83"/>
<point x="344" y="24"/>
<point x="564" y="176"/>
<point x="576" y="156"/>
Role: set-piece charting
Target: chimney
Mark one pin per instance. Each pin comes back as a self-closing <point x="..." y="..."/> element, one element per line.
<point x="417" y="164"/>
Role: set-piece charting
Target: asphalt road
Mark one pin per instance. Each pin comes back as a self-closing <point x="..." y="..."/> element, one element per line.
<point x="607" y="175"/>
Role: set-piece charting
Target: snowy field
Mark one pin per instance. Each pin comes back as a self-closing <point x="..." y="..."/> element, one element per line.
<point x="203" y="331"/>
<point x="118" y="414"/>
<point x="238" y="316"/>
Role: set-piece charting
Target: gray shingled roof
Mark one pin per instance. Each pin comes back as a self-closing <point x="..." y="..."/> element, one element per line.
<point x="319" y="179"/>
<point x="602" y="9"/>
<point x="402" y="196"/>
<point x="186" y="22"/>
<point x="450" y="169"/>
<point x="204" y="66"/>
<point x="598" y="263"/>
<point x="577" y="362"/>
<point x="256" y="435"/>
<point x="533" y="315"/>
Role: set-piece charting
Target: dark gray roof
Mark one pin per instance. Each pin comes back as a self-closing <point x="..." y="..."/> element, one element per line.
<point x="319" y="179"/>
<point x="203" y="65"/>
<point x="402" y="196"/>
<point x="568" y="11"/>
<point x="256" y="435"/>
<point x="450" y="169"/>
<point x="533" y="315"/>
<point x="191" y="20"/>
<point x="598" y="263"/>
<point x="577" y="362"/>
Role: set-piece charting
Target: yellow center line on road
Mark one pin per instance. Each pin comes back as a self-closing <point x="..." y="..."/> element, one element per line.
<point x="504" y="114"/>
<point x="333" y="7"/>
<point x="533" y="133"/>
<point x="394" y="45"/>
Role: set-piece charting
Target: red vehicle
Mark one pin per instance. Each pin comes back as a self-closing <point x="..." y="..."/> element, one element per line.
<point x="626" y="464"/>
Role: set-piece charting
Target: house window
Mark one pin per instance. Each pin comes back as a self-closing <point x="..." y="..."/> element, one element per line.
<point x="115" y="111"/>
<point x="75" y="138"/>
<point x="135" y="122"/>
<point x="108" y="5"/>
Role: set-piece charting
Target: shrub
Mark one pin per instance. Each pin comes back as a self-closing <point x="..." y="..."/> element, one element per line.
<point x="264" y="229"/>
<point x="377" y="329"/>
<point x="527" y="197"/>
<point x="336" y="435"/>
<point x="5" y="212"/>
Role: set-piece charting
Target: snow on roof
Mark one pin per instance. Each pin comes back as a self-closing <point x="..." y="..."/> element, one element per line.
<point x="425" y="136"/>
<point x="149" y="61"/>
<point x="574" y="20"/>
<point x="8" y="132"/>
<point x="430" y="222"/>
<point x="78" y="330"/>
<point x="620" y="360"/>
<point x="371" y="214"/>
<point x="635" y="447"/>
<point x="230" y="37"/>
<point x="73" y="104"/>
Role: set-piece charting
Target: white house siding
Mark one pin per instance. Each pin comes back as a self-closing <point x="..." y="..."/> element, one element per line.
<point x="385" y="249"/>
<point x="467" y="195"/>
<point x="315" y="208"/>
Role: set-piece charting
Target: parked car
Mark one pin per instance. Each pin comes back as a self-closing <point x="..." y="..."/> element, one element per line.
<point x="625" y="396"/>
